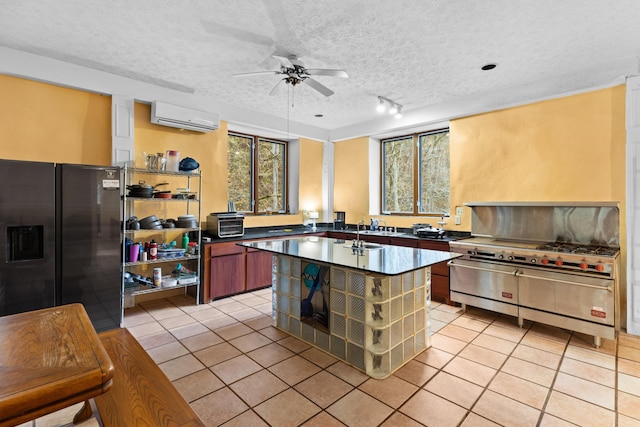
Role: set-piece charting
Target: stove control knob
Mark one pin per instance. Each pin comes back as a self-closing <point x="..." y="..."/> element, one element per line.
<point x="533" y="260"/>
<point x="510" y="258"/>
<point x="544" y="261"/>
<point x="584" y="265"/>
<point x="472" y="252"/>
<point x="599" y="267"/>
<point x="558" y="262"/>
<point x="500" y="256"/>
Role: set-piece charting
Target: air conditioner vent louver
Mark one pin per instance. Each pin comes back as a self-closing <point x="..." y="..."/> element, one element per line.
<point x="183" y="118"/>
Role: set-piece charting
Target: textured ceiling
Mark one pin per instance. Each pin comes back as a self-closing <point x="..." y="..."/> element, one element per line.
<point x="419" y="53"/>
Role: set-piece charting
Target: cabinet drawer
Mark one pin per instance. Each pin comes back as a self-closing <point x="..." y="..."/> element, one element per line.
<point x="434" y="246"/>
<point x="226" y="248"/>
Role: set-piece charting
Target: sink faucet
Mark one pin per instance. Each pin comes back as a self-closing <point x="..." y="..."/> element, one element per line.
<point x="357" y="241"/>
<point x="385" y="224"/>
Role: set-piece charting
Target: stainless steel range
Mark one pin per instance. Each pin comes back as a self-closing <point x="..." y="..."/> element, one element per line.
<point x="551" y="263"/>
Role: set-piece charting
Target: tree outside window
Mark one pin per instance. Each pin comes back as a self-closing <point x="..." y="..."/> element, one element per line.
<point x="257" y="173"/>
<point x="415" y="174"/>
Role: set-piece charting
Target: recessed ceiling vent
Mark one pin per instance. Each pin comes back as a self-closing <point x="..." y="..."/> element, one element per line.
<point x="176" y="116"/>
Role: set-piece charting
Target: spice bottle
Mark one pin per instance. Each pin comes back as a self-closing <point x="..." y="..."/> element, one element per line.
<point x="153" y="250"/>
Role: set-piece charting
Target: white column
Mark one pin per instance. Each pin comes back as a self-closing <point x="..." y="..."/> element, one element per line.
<point x="327" y="181"/>
<point x="633" y="205"/>
<point x="122" y="147"/>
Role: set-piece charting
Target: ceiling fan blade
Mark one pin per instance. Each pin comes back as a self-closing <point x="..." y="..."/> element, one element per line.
<point x="235" y="33"/>
<point x="283" y="61"/>
<point x="276" y="89"/>
<point x="257" y="73"/>
<point x="327" y="72"/>
<point x="318" y="86"/>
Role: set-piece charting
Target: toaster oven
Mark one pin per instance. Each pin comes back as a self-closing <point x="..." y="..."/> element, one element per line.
<point x="226" y="224"/>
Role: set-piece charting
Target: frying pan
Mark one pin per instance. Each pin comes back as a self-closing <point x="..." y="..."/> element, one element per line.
<point x="143" y="190"/>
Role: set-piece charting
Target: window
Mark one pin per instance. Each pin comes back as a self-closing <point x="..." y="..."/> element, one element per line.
<point x="257" y="180"/>
<point x="415" y="174"/>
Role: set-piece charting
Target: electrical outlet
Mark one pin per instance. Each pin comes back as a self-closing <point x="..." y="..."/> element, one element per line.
<point x="458" y="220"/>
<point x="459" y="211"/>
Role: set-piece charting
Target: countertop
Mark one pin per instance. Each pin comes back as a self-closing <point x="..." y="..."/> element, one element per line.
<point x="382" y="259"/>
<point x="296" y="230"/>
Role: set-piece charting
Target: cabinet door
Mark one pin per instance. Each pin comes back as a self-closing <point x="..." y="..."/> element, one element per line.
<point x="439" y="272"/>
<point x="227" y="275"/>
<point x="259" y="268"/>
<point x="440" y="288"/>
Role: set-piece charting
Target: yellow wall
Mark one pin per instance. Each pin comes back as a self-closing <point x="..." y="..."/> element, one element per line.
<point x="208" y="149"/>
<point x="565" y="149"/>
<point x="351" y="179"/>
<point x="311" y="153"/>
<point x="46" y="123"/>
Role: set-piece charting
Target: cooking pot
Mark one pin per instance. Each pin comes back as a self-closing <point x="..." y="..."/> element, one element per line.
<point x="187" y="221"/>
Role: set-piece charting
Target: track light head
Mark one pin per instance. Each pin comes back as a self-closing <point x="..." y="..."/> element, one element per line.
<point x="393" y="108"/>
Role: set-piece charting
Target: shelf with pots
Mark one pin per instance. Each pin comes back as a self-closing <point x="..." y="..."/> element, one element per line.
<point x="148" y="230"/>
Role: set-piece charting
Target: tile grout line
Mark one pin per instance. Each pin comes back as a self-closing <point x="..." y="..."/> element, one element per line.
<point x="421" y="387"/>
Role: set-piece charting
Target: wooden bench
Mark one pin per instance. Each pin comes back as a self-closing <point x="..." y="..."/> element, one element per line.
<point x="141" y="394"/>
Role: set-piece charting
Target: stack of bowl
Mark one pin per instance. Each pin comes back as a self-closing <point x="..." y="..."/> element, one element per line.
<point x="151" y="223"/>
<point x="187" y="221"/>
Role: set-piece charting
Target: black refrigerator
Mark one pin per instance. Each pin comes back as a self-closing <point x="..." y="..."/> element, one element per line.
<point x="60" y="239"/>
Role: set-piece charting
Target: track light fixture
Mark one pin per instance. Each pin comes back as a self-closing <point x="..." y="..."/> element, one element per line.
<point x="393" y="108"/>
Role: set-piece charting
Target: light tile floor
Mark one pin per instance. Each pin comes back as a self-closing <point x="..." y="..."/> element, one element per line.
<point x="235" y="369"/>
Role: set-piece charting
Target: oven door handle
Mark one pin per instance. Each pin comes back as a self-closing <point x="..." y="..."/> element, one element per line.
<point x="452" y="264"/>
<point x="566" y="282"/>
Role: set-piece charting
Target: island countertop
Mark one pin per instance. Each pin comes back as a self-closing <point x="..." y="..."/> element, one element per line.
<point x="381" y="259"/>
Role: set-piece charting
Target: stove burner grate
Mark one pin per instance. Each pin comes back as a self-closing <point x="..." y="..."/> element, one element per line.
<point x="578" y="249"/>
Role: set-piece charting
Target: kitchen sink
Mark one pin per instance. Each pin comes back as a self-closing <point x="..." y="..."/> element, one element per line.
<point x="381" y="233"/>
<point x="367" y="246"/>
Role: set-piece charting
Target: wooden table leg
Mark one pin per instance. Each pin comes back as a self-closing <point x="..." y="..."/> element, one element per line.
<point x="84" y="413"/>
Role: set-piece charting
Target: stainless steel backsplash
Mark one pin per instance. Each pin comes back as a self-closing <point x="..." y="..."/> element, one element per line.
<point x="588" y="223"/>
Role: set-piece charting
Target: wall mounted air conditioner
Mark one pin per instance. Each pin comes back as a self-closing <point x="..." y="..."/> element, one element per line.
<point x="183" y="117"/>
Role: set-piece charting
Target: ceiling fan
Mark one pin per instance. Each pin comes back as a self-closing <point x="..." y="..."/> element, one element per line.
<point x="295" y="72"/>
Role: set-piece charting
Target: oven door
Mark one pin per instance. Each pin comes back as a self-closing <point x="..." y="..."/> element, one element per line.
<point x="573" y="295"/>
<point x="485" y="285"/>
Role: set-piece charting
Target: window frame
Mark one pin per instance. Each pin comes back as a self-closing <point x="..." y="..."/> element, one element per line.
<point x="254" y="170"/>
<point x="416" y="172"/>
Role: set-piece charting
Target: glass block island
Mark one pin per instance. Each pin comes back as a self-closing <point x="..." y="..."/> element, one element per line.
<point x="367" y="305"/>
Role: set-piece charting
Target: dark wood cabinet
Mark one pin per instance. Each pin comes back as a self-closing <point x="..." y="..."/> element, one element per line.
<point x="259" y="269"/>
<point x="226" y="274"/>
<point x="439" y="272"/>
<point x="230" y="269"/>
